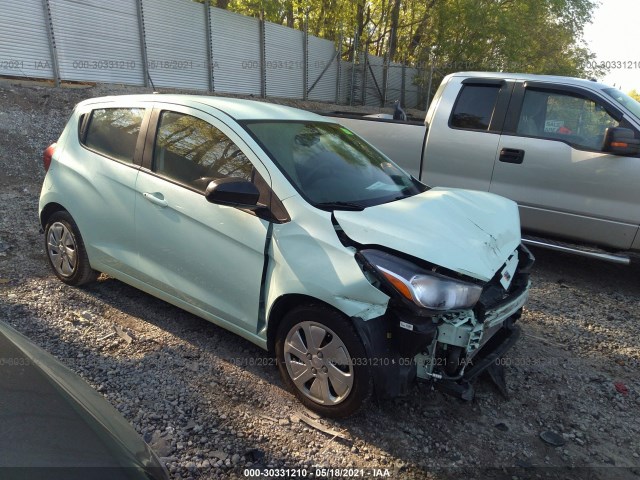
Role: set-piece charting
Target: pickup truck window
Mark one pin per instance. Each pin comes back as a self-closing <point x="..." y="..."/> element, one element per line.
<point x="570" y="118"/>
<point x="330" y="166"/>
<point x="625" y="100"/>
<point x="474" y="107"/>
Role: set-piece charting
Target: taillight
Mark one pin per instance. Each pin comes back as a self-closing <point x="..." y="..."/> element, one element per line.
<point x="47" y="155"/>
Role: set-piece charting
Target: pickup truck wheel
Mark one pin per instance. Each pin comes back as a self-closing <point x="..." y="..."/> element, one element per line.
<point x="316" y="348"/>
<point x="65" y="250"/>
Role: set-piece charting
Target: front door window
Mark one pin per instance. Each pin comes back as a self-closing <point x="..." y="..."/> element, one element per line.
<point x="576" y="120"/>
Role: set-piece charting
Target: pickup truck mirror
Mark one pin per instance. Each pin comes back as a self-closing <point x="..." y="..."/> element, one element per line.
<point x="233" y="192"/>
<point x="621" y="141"/>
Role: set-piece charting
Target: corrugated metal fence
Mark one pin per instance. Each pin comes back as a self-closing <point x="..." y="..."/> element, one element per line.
<point x="184" y="44"/>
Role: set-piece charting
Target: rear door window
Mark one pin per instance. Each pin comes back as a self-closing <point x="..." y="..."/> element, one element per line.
<point x="114" y="132"/>
<point x="474" y="107"/>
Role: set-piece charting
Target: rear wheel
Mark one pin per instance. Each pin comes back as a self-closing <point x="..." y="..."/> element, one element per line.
<point x="65" y="250"/>
<point x="323" y="361"/>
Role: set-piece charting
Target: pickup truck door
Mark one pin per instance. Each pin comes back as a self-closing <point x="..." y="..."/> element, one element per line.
<point x="551" y="162"/>
<point x="464" y="132"/>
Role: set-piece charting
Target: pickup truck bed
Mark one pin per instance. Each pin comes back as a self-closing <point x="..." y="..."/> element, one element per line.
<point x="403" y="140"/>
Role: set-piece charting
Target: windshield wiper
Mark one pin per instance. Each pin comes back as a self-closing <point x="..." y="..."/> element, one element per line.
<point x="401" y="197"/>
<point x="340" y="206"/>
<point x="406" y="193"/>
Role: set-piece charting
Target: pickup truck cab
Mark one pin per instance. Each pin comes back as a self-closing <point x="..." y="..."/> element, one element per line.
<point x="565" y="149"/>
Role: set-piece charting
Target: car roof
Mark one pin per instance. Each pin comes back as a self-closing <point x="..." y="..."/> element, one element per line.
<point x="237" y="108"/>
<point x="540" y="78"/>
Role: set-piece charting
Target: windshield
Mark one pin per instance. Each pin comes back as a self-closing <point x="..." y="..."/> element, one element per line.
<point x="332" y="167"/>
<point x="625" y="100"/>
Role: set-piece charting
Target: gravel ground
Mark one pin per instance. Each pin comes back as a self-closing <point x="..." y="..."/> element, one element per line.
<point x="212" y="404"/>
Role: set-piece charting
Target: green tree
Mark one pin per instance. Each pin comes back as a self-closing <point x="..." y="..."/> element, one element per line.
<point x="531" y="36"/>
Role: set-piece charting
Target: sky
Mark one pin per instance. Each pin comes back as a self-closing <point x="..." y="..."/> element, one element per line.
<point x="614" y="36"/>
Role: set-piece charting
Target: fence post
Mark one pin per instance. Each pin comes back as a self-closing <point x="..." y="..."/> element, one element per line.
<point x="426" y="107"/>
<point x="339" y="68"/>
<point x="420" y="74"/>
<point x="385" y="79"/>
<point x="55" y="67"/>
<point x="354" y="51"/>
<point x="263" y="58"/>
<point x="305" y="55"/>
<point x="403" y="86"/>
<point x="207" y="12"/>
<point x="364" y="74"/>
<point x="143" y="45"/>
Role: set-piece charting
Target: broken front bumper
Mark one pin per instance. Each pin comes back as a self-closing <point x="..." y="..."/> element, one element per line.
<point x="451" y="350"/>
<point x="488" y="359"/>
<point x="466" y="347"/>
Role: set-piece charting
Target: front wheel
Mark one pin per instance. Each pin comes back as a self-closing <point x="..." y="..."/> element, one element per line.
<point x="323" y="361"/>
<point x="65" y="250"/>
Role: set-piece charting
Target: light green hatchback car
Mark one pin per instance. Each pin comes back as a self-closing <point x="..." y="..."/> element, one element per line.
<point x="293" y="232"/>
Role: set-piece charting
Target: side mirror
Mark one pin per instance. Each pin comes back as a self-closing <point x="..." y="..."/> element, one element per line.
<point x="621" y="141"/>
<point x="233" y="192"/>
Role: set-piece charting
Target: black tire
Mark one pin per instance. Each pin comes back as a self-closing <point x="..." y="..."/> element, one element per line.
<point x="336" y="400"/>
<point x="65" y="250"/>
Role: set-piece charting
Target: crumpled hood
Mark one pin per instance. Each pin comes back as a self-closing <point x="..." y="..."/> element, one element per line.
<point x="466" y="231"/>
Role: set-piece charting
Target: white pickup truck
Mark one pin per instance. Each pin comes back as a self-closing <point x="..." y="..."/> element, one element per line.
<point x="566" y="149"/>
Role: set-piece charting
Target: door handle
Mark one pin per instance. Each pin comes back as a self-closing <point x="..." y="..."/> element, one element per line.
<point x="154" y="198"/>
<point x="511" y="155"/>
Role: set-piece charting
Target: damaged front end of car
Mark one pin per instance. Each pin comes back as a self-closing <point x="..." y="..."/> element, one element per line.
<point x="441" y="326"/>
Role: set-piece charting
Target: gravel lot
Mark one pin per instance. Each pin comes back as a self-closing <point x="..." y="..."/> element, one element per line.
<point x="212" y="404"/>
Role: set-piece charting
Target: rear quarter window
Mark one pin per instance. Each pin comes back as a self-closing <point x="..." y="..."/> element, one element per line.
<point x="474" y="107"/>
<point x="114" y="132"/>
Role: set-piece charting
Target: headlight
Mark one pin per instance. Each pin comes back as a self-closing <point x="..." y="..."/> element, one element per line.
<point x="426" y="289"/>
